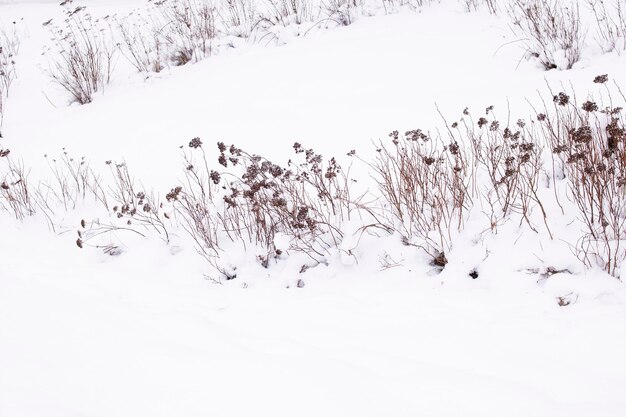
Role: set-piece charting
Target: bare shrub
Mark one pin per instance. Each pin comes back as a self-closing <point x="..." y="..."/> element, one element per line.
<point x="73" y="181"/>
<point x="552" y="30"/>
<point x="131" y="210"/>
<point x="394" y="5"/>
<point x="238" y="16"/>
<point x="142" y="41"/>
<point x="255" y="200"/>
<point x="171" y="32"/>
<point x="473" y="5"/>
<point x="589" y="141"/>
<point x="426" y="187"/>
<point x="285" y="12"/>
<point x="133" y="205"/>
<point x="9" y="47"/>
<point x="84" y="57"/>
<point x="341" y="11"/>
<point x="610" y="24"/>
<point x="190" y="29"/>
<point x="510" y="158"/>
<point x="15" y="191"/>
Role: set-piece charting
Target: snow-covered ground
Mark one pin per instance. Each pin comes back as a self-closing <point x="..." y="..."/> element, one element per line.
<point x="86" y="334"/>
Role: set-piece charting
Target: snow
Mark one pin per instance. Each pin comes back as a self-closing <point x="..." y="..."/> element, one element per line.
<point x="375" y="333"/>
<point x="143" y="338"/>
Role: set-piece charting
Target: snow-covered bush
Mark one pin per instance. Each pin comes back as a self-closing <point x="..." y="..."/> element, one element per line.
<point x="610" y="23"/>
<point x="508" y="166"/>
<point x="190" y="29"/>
<point x="72" y="181"/>
<point x="143" y="42"/>
<point x="83" y="59"/>
<point x="473" y="5"/>
<point x="169" y="32"/>
<point x="238" y="16"/>
<point x="341" y="11"/>
<point x="254" y="201"/>
<point x="130" y="207"/>
<point x="551" y="29"/>
<point x="285" y="12"/>
<point x="15" y="191"/>
<point x="588" y="141"/>
<point x="426" y="189"/>
<point x="9" y="47"/>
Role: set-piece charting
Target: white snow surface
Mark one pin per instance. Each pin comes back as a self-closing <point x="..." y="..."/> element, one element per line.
<point x="86" y="334"/>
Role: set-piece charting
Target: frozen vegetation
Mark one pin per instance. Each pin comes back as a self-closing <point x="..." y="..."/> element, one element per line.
<point x="305" y="208"/>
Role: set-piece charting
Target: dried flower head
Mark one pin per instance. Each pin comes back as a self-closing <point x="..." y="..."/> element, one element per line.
<point x="561" y="99"/>
<point x="195" y="143"/>
<point x="582" y="134"/>
<point x="589" y="106"/>
<point x="215" y="177"/>
<point x="601" y="79"/>
<point x="173" y="194"/>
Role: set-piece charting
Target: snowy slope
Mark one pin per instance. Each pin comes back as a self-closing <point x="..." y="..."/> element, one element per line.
<point x="382" y="333"/>
<point x="143" y="335"/>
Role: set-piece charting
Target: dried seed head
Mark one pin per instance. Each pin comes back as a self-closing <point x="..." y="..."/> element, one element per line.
<point x="589" y="106"/>
<point x="561" y="99"/>
<point x="601" y="79"/>
<point x="527" y="147"/>
<point x="173" y="194"/>
<point x="195" y="143"/>
<point x="230" y="202"/>
<point x="582" y="134"/>
<point x="276" y="171"/>
<point x="215" y="177"/>
<point x="414" y="135"/>
<point x="428" y="160"/>
<point x="234" y="150"/>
